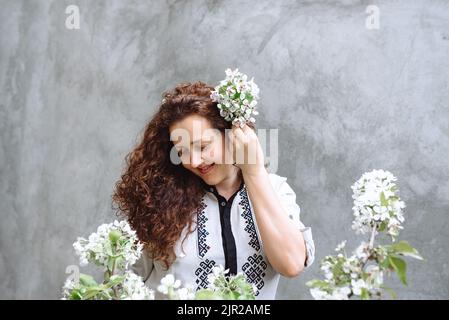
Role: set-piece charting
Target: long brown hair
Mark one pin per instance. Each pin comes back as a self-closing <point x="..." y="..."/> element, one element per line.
<point x="158" y="197"/>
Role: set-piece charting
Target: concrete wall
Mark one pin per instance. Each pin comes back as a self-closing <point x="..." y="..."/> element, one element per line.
<point x="346" y="99"/>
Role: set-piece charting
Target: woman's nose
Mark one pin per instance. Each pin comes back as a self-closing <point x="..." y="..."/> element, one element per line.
<point x="195" y="160"/>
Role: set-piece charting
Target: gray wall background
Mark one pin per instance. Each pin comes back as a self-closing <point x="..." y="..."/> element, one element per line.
<point x="344" y="98"/>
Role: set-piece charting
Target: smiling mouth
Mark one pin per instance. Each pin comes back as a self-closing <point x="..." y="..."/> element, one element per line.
<point x="206" y="169"/>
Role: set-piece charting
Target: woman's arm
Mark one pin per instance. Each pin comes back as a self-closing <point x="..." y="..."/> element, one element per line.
<point x="283" y="242"/>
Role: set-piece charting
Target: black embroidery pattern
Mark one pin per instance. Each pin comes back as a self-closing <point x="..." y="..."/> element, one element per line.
<point x="201" y="273"/>
<point x="254" y="269"/>
<point x="247" y="215"/>
<point x="202" y="233"/>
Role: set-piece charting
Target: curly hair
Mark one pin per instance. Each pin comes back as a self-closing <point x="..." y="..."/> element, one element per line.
<point x="160" y="198"/>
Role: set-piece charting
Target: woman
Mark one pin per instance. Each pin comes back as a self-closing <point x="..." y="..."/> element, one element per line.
<point x="193" y="209"/>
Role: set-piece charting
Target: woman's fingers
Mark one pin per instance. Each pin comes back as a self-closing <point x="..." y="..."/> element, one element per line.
<point x="247" y="151"/>
<point x="246" y="129"/>
<point x="241" y="136"/>
<point x="230" y="157"/>
<point x="240" y="144"/>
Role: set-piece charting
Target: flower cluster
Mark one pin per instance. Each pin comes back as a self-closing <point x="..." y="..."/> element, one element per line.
<point x="221" y="287"/>
<point x="114" y="247"/>
<point x="120" y="287"/>
<point x="237" y="98"/>
<point x="69" y="285"/>
<point x="377" y="208"/>
<point x="116" y="240"/>
<point x="172" y="288"/>
<point x="134" y="288"/>
<point x="347" y="276"/>
<point x="376" y="203"/>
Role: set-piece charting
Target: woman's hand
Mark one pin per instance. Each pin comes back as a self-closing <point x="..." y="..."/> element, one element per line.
<point x="247" y="151"/>
<point x="284" y="244"/>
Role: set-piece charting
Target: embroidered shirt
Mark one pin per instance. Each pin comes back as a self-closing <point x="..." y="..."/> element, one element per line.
<point x="226" y="233"/>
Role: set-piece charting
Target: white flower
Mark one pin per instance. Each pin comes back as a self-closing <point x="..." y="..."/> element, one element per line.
<point x="357" y="286"/>
<point x="376" y="209"/>
<point x="185" y="293"/>
<point x="341" y="246"/>
<point x="230" y="73"/>
<point x="362" y="251"/>
<point x="342" y="293"/>
<point x="162" y="289"/>
<point x="236" y="97"/>
<point x="318" y="294"/>
<point x="255" y="290"/>
<point x="326" y="267"/>
<point x="372" y="282"/>
<point x="96" y="248"/>
<point x="168" y="283"/>
<point x="134" y="288"/>
<point x="172" y="287"/>
<point x="339" y="293"/>
<point x="218" y="273"/>
<point x="69" y="285"/>
<point x="219" y="270"/>
<point x="376" y="202"/>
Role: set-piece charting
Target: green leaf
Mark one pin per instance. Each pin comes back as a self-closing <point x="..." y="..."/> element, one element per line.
<point x="405" y="249"/>
<point x="114" y="280"/>
<point x="119" y="263"/>
<point x="106" y="275"/>
<point x="383" y="200"/>
<point x="400" y="267"/>
<point x="382" y="227"/>
<point x="247" y="297"/>
<point x="206" y="294"/>
<point x="231" y="295"/>
<point x="92" y="292"/>
<point x="385" y="263"/>
<point x="390" y="291"/>
<point x="316" y="283"/>
<point x="364" y="294"/>
<point x="87" y="280"/>
<point x="108" y="249"/>
<point x="106" y="295"/>
<point x="75" y="295"/>
<point x="111" y="264"/>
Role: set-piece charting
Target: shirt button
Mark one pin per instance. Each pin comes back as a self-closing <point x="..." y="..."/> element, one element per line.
<point x="212" y="189"/>
<point x="223" y="204"/>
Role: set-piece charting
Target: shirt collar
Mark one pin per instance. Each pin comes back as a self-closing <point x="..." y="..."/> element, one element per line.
<point x="213" y="189"/>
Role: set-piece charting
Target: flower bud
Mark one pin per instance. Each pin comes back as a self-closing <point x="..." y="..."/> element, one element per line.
<point x="114" y="235"/>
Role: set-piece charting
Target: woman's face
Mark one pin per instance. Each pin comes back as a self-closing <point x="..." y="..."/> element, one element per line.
<point x="202" y="149"/>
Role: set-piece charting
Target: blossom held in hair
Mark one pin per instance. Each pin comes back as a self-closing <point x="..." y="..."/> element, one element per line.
<point x="237" y="98"/>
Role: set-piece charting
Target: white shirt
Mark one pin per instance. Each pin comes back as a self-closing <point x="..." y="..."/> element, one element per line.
<point x="226" y="233"/>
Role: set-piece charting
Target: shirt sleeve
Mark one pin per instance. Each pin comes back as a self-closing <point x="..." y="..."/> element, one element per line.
<point x="288" y="201"/>
<point x="144" y="266"/>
